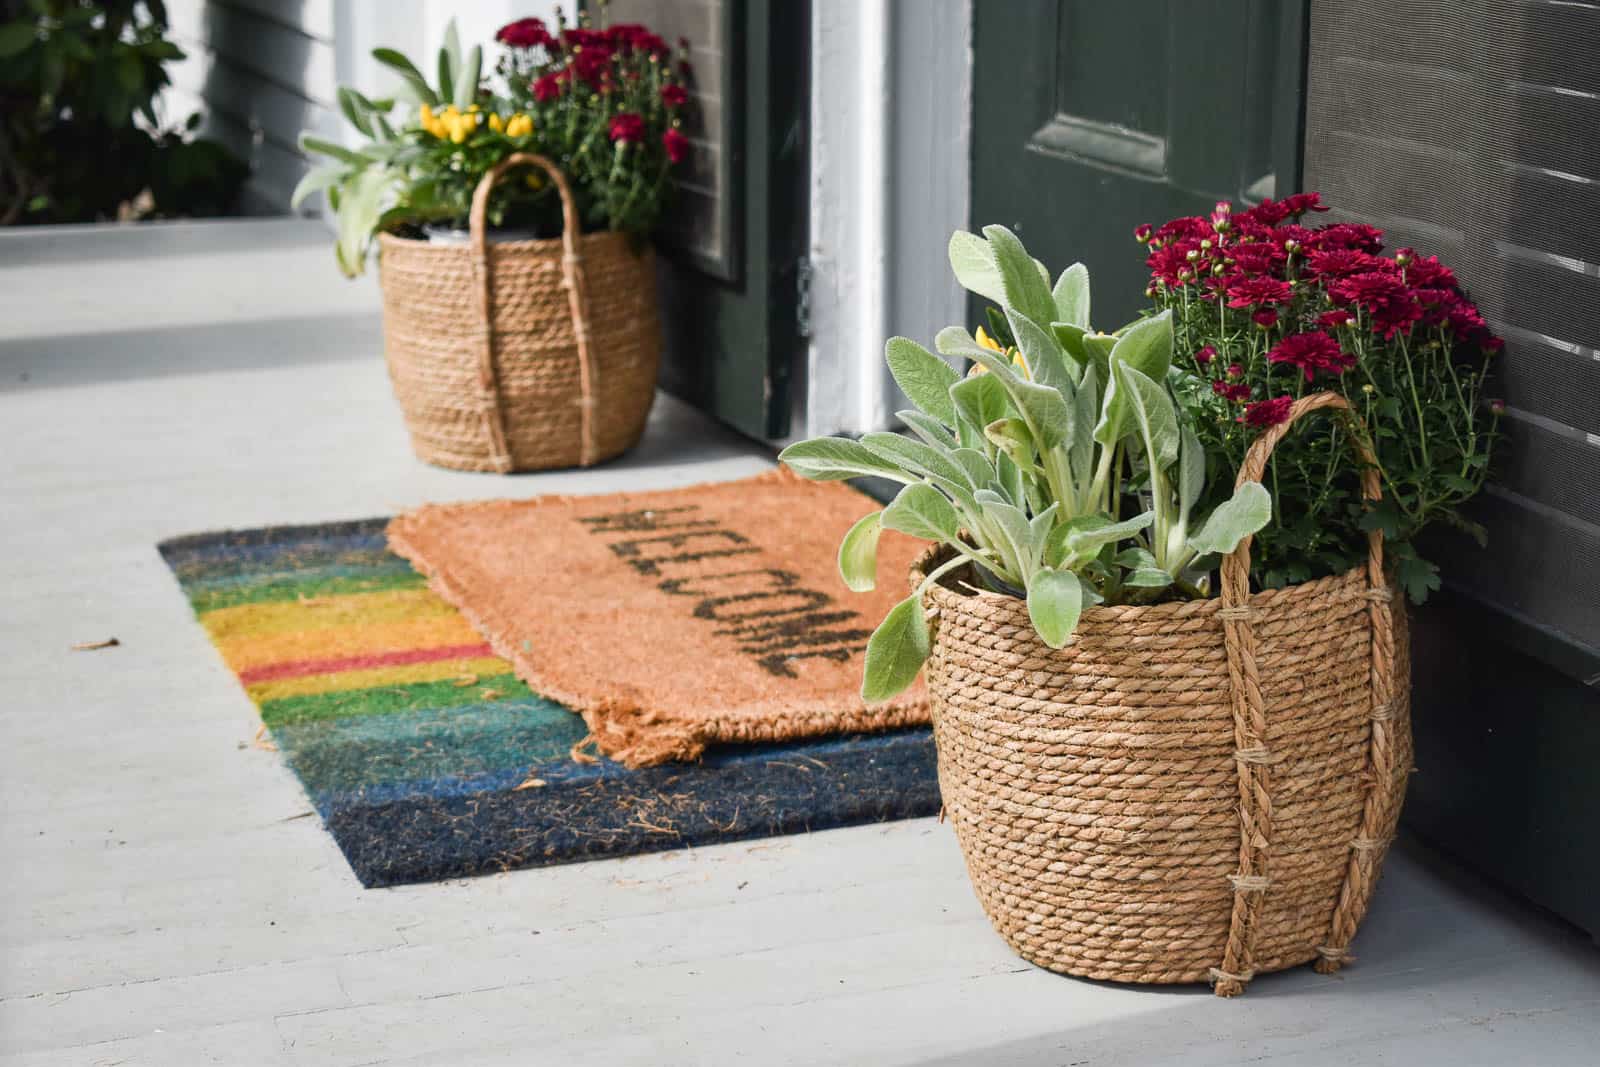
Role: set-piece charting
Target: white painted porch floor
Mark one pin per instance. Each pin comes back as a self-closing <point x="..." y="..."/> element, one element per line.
<point x="165" y="900"/>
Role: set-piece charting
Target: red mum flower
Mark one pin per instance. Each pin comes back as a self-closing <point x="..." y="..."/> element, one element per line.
<point x="1350" y="235"/>
<point x="1300" y="203"/>
<point x="1371" y="289"/>
<point x="1269" y="211"/>
<point x="1426" y="272"/>
<point x="1236" y="393"/>
<point x="674" y="95"/>
<point x="1251" y="292"/>
<point x="1141" y="233"/>
<point x="627" y="127"/>
<point x="1311" y="352"/>
<point x="525" y="33"/>
<point x="1266" y="318"/>
<point x="1205" y="355"/>
<point x="1332" y="320"/>
<point x="1258" y="258"/>
<point x="676" y="144"/>
<point x="1264" y="413"/>
<point x="1339" y="262"/>
<point x="547" y="87"/>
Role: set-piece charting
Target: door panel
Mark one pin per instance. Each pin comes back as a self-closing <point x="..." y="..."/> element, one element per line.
<point x="1090" y="118"/>
<point x="729" y="255"/>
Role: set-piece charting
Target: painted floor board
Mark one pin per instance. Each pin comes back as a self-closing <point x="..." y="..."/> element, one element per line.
<point x="165" y="901"/>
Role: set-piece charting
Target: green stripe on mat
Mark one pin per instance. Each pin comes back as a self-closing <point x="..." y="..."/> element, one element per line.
<point x="283" y="588"/>
<point x="429" y="742"/>
<point x="390" y="698"/>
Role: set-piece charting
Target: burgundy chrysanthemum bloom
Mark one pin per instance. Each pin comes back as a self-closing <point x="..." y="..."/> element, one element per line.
<point x="1189" y="226"/>
<point x="593" y="64"/>
<point x="674" y="95"/>
<point x="1264" y="413"/>
<point x="676" y="144"/>
<point x="1300" y="203"/>
<point x="1169" y="262"/>
<point x="1371" y="289"/>
<point x="1339" y="262"/>
<point x="547" y="87"/>
<point x="1141" y="232"/>
<point x="1350" y="235"/>
<point x="1257" y="259"/>
<point x="1205" y="355"/>
<point x="1332" y="320"/>
<point x="1266" y="318"/>
<point x="1269" y="211"/>
<point x="627" y="127"/>
<point x="1426" y="272"/>
<point x="1311" y="352"/>
<point x="1251" y="292"/>
<point x="1395" y="316"/>
<point x="525" y="33"/>
<point x="1238" y="394"/>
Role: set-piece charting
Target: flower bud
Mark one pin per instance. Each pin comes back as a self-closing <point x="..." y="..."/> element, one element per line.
<point x="1141" y="233"/>
<point x="1291" y="246"/>
<point x="1497" y="407"/>
<point x="1191" y="255"/>
<point x="1205" y="245"/>
<point x="1369" y="389"/>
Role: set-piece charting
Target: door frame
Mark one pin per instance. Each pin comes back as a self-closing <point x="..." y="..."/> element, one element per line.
<point x="891" y="134"/>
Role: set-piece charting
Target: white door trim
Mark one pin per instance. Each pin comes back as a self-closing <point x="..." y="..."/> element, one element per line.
<point x="891" y="105"/>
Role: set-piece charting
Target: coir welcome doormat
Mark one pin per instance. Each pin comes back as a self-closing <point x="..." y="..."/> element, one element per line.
<point x="428" y="759"/>
<point x="675" y="619"/>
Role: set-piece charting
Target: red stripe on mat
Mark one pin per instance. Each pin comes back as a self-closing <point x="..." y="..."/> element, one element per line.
<point x="272" y="672"/>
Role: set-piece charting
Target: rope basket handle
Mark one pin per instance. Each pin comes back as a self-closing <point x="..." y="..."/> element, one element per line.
<point x="1236" y="565"/>
<point x="1253" y="758"/>
<point x="573" y="281"/>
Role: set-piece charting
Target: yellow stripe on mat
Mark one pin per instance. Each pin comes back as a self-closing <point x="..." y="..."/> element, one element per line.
<point x="377" y="677"/>
<point x="243" y="652"/>
<point x="323" y="612"/>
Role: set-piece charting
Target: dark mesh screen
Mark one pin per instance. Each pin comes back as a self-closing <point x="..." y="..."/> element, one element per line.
<point x="1471" y="128"/>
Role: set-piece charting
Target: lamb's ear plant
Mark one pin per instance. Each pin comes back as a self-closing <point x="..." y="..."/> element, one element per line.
<point x="1060" y="468"/>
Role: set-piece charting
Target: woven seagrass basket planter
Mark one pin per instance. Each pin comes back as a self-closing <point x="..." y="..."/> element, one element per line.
<point x="1190" y="791"/>
<point x="525" y="355"/>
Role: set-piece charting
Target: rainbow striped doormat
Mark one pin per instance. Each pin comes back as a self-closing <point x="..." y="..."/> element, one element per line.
<point x="428" y="759"/>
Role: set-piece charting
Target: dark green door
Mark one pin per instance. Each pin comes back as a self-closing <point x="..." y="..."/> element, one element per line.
<point x="737" y="235"/>
<point x="1091" y="117"/>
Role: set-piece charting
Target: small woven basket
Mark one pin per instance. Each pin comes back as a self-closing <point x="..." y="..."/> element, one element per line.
<point x="1190" y="791"/>
<point x="524" y="355"/>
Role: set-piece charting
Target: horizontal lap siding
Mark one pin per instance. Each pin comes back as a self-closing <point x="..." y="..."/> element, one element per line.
<point x="258" y="72"/>
<point x="1466" y="128"/>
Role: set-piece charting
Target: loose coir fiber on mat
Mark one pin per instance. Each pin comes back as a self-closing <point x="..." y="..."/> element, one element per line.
<point x="411" y="737"/>
<point x="674" y="619"/>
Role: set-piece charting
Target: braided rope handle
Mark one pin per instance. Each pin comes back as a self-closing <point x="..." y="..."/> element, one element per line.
<point x="572" y="279"/>
<point x="1254" y="760"/>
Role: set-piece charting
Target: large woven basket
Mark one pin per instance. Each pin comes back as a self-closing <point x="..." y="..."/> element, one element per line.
<point x="524" y="355"/>
<point x="1188" y="791"/>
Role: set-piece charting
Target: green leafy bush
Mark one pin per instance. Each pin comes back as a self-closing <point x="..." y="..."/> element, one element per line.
<point x="1062" y="470"/>
<point x="80" y="137"/>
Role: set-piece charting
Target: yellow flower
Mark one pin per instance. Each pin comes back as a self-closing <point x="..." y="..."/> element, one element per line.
<point x="496" y="123"/>
<point x="1018" y="361"/>
<point x="519" y="125"/>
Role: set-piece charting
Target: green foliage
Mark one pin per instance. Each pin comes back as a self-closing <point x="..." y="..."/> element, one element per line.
<point x="603" y="104"/>
<point x="78" y="88"/>
<point x="1061" y="470"/>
